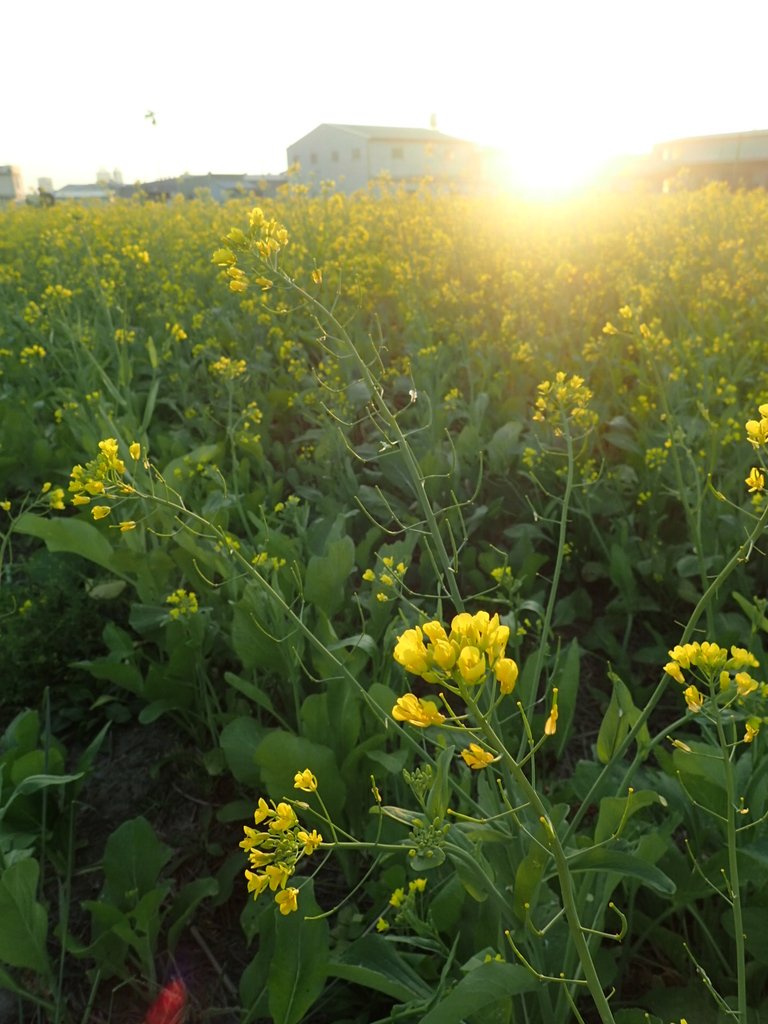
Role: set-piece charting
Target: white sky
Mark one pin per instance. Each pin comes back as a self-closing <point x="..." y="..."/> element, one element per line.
<point x="559" y="85"/>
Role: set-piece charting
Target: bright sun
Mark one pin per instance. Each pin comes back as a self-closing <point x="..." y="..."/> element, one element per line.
<point x="546" y="170"/>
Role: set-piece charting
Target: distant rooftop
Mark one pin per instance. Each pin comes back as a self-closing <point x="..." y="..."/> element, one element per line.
<point x="727" y="148"/>
<point x="387" y="133"/>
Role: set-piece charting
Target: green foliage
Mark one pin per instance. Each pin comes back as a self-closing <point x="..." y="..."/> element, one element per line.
<point x="406" y="406"/>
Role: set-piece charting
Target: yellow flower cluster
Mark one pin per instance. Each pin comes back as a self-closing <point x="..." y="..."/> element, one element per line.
<point x="266" y="237"/>
<point x="403" y="902"/>
<point x="55" y="496"/>
<point x="275" y="849"/>
<point x="228" y="368"/>
<point x="183" y="602"/>
<point x="31" y="352"/>
<point x="721" y="673"/>
<point x="389" y="579"/>
<point x="567" y="397"/>
<point x="757" y="430"/>
<point x="102" y="478"/>
<point x="474" y="648"/>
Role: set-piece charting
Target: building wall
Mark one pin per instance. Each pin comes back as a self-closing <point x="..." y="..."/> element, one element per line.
<point x="353" y="160"/>
<point x="741" y="160"/>
<point x="331" y="154"/>
<point x="11" y="185"/>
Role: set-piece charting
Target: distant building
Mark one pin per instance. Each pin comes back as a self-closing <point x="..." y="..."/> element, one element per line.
<point x="354" y="155"/>
<point x="83" y="194"/>
<point x="739" y="158"/>
<point x="11" y="185"/>
<point x="218" y="187"/>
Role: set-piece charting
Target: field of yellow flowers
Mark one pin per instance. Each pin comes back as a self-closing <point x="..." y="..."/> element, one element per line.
<point x="428" y="528"/>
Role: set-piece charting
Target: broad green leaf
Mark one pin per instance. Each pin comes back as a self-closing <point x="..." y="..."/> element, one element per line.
<point x="480" y="989"/>
<point x="299" y="965"/>
<point x="75" y="536"/>
<point x="613" y="809"/>
<point x="529" y="873"/>
<point x="374" y="962"/>
<point x="203" y="454"/>
<point x="325" y="582"/>
<point x="258" y="641"/>
<point x="36" y="763"/>
<point x="23" y="921"/>
<point x="439" y="795"/>
<point x="250" y="690"/>
<point x="612" y="731"/>
<point x="21" y="734"/>
<point x="126" y="676"/>
<point x="239" y="740"/>
<point x="281" y="754"/>
<point x="626" y="864"/>
<point x="34" y="783"/>
<point x="503" y="447"/>
<point x="620" y="716"/>
<point x="133" y="860"/>
<point x="566" y="680"/>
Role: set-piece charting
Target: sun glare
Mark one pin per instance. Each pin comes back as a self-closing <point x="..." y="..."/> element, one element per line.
<point x="543" y="170"/>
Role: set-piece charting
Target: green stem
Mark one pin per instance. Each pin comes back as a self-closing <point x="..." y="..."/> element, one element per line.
<point x="561" y="864"/>
<point x="550" y="609"/>
<point x="733" y="866"/>
<point x="411" y="463"/>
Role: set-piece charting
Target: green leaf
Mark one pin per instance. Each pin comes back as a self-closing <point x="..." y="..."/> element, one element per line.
<point x="281" y="754"/>
<point x="620" y="716"/>
<point x="529" y="873"/>
<point x="75" y="536"/>
<point x="250" y="690"/>
<point x="626" y="864"/>
<point x="22" y="734"/>
<point x="325" y="582"/>
<point x="503" y="447"/>
<point x="133" y="860"/>
<point x="488" y="984"/>
<point x="439" y="795"/>
<point x="24" y="925"/>
<point x="374" y="962"/>
<point x="299" y="965"/>
<point x="34" y="783"/>
<point x="239" y="740"/>
<point x="615" y="808"/>
<point x="185" y="904"/>
<point x="126" y="676"/>
<point x="566" y="680"/>
<point x="612" y="731"/>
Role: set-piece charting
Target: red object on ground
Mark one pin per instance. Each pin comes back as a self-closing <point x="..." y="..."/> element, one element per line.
<point x="169" y="1006"/>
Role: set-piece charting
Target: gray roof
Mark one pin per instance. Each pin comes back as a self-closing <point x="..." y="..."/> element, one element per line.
<point x="386" y="133"/>
<point x="733" y="147"/>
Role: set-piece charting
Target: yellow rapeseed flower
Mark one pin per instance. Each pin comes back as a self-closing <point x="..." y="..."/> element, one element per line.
<point x="550" y="726"/>
<point x="506" y="672"/>
<point x="311" y="840"/>
<point x="305" y="780"/>
<point x="694" y="699"/>
<point x="475" y="757"/>
<point x="755" y="481"/>
<point x="414" y="711"/>
<point x="287" y="900"/>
